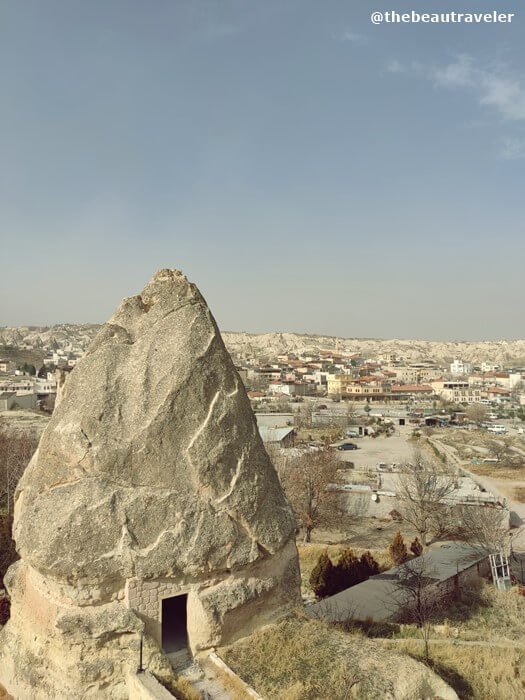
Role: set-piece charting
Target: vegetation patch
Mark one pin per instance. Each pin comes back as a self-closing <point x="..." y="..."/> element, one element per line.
<point x="519" y="494"/>
<point x="179" y="687"/>
<point x="307" y="660"/>
<point x="309" y="554"/>
<point x="475" y="672"/>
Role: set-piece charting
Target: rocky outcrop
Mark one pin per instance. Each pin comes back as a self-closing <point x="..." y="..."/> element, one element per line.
<point x="150" y="481"/>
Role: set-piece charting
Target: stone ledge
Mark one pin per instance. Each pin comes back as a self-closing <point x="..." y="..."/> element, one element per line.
<point x="144" y="686"/>
<point x="223" y="668"/>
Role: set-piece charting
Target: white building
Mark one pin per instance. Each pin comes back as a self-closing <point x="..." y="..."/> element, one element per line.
<point x="460" y="367"/>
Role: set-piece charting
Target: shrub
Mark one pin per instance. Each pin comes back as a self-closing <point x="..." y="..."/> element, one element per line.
<point x="349" y="570"/>
<point x="396" y="515"/>
<point x="322" y="578"/>
<point x="369" y="564"/>
<point x="5" y="607"/>
<point x="416" y="548"/>
<point x="8" y="553"/>
<point x="398" y="550"/>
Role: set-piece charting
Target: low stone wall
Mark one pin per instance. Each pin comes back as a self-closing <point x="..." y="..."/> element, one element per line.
<point x="144" y="686"/>
<point x="223" y="668"/>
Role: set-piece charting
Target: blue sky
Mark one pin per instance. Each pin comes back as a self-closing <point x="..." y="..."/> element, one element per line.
<point x="308" y="170"/>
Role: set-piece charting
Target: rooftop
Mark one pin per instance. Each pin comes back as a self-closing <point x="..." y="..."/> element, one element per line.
<point x="376" y="598"/>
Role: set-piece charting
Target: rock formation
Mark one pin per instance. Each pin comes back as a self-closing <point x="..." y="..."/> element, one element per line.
<point x="150" y="482"/>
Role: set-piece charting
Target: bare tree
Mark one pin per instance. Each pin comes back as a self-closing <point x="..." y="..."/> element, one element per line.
<point x="485" y="527"/>
<point x="304" y="415"/>
<point x="424" y="486"/>
<point x="16" y="449"/>
<point x="7" y="546"/>
<point x="477" y="413"/>
<point x="415" y="598"/>
<point x="306" y="481"/>
<point x="351" y="413"/>
<point x="503" y="451"/>
<point x="282" y="405"/>
<point x="280" y="457"/>
<point x="517" y="390"/>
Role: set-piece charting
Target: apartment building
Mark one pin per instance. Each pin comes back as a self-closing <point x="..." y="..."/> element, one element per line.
<point x="457" y="392"/>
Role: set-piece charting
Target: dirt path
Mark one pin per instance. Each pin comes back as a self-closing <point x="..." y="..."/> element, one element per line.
<point x="503" y="490"/>
<point x="455" y="642"/>
<point x="201" y="675"/>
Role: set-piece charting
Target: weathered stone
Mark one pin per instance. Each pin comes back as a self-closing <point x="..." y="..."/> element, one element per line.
<point x="151" y="471"/>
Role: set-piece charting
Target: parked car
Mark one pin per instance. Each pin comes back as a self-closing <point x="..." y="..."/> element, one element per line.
<point x="497" y="429"/>
<point x="348" y="446"/>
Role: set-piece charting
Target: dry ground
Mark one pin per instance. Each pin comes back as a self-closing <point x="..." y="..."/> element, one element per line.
<point x="300" y="659"/>
<point x="24" y="421"/>
<point x="475" y="673"/>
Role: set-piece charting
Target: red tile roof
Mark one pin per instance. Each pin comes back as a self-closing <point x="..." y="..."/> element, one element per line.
<point x="411" y="387"/>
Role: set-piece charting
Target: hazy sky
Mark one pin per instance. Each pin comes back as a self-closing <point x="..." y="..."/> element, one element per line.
<point x="308" y="170"/>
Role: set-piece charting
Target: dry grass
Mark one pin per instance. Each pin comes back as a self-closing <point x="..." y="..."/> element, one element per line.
<point x="476" y="673"/>
<point x="295" y="654"/>
<point x="489" y="614"/>
<point x="310" y="553"/>
<point x="235" y="689"/>
<point x="519" y="494"/>
<point x="300" y="659"/>
<point x="484" y="614"/>
<point x="180" y="688"/>
<point x="492" y="470"/>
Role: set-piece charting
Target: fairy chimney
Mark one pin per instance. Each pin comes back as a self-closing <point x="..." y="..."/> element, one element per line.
<point x="149" y="504"/>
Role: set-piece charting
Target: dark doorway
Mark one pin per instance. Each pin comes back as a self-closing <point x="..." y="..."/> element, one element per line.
<point x="174" y="623"/>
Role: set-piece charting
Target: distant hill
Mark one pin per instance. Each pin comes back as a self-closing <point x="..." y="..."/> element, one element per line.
<point x="511" y="352"/>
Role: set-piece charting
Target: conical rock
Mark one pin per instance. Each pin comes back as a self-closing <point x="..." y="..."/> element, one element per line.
<point x="150" y="481"/>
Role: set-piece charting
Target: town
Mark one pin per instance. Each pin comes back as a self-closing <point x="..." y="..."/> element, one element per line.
<point x="405" y="474"/>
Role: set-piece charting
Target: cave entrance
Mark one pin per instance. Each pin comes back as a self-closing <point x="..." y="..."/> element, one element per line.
<point x="175" y="623"/>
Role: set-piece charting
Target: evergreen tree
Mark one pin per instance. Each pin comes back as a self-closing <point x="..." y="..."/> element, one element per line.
<point x="369" y="565"/>
<point x="322" y="578"/>
<point x="416" y="548"/>
<point x="349" y="570"/>
<point x="398" y="550"/>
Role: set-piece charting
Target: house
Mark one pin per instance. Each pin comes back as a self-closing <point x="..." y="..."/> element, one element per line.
<point x="496" y="393"/>
<point x="400" y="391"/>
<point x="450" y="567"/>
<point x="6" y="365"/>
<point x="460" y="367"/>
<point x="416" y="373"/>
<point x="358" y="388"/>
<point x="10" y="400"/>
<point x="282" y="437"/>
<point x="7" y="400"/>
<point x="275" y="420"/>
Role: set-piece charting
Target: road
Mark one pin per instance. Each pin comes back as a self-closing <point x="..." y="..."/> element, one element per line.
<point x="498" y="487"/>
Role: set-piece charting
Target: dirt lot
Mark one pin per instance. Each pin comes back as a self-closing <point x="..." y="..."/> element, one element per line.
<point x="24" y="421"/>
<point x="381" y="449"/>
